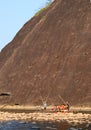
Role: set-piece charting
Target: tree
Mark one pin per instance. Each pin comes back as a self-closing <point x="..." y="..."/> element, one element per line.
<point x="49" y="2"/>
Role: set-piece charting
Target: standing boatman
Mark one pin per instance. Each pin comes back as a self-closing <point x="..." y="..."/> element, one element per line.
<point x="45" y="105"/>
<point x="68" y="106"/>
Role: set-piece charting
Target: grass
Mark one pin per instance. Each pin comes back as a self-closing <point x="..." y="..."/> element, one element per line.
<point x="43" y="9"/>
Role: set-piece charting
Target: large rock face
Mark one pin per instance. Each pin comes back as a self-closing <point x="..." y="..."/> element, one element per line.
<point x="50" y="56"/>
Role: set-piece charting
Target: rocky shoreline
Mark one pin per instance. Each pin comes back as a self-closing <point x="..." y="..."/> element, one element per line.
<point x="77" y="118"/>
<point x="61" y="120"/>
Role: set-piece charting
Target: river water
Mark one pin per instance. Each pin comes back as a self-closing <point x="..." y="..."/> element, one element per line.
<point x="44" y="125"/>
<point x="22" y="125"/>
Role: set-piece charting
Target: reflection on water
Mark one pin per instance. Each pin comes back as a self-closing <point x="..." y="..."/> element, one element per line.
<point x="15" y="125"/>
<point x="18" y="125"/>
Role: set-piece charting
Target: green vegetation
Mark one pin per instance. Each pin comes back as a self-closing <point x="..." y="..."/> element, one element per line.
<point x="43" y="9"/>
<point x="40" y="11"/>
<point x="48" y="2"/>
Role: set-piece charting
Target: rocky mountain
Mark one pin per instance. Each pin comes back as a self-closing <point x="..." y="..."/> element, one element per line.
<point x="50" y="56"/>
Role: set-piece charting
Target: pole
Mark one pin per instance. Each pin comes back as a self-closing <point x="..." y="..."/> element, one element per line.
<point x="48" y="95"/>
<point x="62" y="99"/>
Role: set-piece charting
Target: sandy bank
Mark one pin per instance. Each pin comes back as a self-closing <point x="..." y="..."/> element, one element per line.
<point x="22" y="107"/>
<point x="78" y="118"/>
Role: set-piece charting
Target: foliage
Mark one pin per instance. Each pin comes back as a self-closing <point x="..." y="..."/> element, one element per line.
<point x="43" y="9"/>
<point x="40" y="11"/>
<point x="48" y="2"/>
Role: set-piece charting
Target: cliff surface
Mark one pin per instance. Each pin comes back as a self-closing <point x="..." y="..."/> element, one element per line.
<point x="50" y="56"/>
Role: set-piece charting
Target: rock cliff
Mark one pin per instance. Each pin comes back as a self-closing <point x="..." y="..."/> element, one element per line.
<point x="50" y="56"/>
